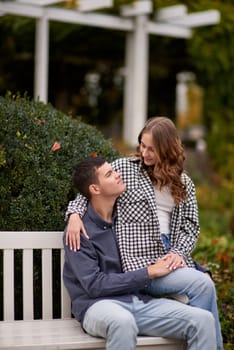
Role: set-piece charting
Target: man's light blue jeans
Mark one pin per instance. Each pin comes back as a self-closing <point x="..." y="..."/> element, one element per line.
<point x="198" y="287"/>
<point x="121" y="322"/>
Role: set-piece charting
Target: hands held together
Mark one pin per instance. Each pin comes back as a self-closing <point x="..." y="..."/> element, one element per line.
<point x="166" y="265"/>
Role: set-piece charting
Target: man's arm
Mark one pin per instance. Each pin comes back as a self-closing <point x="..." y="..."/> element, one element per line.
<point x="96" y="283"/>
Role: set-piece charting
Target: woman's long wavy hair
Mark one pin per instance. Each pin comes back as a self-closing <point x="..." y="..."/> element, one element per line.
<point x="167" y="143"/>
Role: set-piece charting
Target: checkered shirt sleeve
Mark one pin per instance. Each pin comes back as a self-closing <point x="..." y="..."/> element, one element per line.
<point x="78" y="205"/>
<point x="185" y="227"/>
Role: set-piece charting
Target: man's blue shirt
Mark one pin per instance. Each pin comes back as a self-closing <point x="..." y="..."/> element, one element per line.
<point x="94" y="272"/>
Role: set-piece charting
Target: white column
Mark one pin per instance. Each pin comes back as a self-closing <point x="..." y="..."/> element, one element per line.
<point x="136" y="83"/>
<point x="128" y="87"/>
<point x="41" y="59"/>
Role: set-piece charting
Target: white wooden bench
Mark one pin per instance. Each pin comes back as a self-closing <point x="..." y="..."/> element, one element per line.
<point x="62" y="332"/>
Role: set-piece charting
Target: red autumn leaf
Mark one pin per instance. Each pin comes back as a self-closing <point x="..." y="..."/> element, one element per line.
<point x="40" y="121"/>
<point x="55" y="146"/>
<point x="214" y="241"/>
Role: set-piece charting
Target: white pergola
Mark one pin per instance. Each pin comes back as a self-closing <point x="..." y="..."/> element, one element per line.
<point x="134" y="19"/>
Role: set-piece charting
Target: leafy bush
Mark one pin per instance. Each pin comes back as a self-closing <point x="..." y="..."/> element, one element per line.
<point x="39" y="147"/>
<point x="215" y="249"/>
<point x="217" y="253"/>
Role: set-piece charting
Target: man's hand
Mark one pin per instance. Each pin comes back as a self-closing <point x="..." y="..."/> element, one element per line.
<point x="158" y="269"/>
<point x="174" y="261"/>
<point x="74" y="228"/>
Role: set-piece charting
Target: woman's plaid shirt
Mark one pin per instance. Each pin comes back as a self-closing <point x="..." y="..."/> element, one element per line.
<point x="137" y="225"/>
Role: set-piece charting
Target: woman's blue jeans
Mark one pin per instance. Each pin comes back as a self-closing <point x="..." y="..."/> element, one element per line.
<point x="198" y="287"/>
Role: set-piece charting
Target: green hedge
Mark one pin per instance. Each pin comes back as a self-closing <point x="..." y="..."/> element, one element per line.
<point x="35" y="179"/>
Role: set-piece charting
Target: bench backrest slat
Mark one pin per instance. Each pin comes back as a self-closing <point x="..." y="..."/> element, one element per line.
<point x="65" y="299"/>
<point x="8" y="285"/>
<point x="31" y="240"/>
<point x="28" y="284"/>
<point x="47" y="284"/>
<point x="28" y="242"/>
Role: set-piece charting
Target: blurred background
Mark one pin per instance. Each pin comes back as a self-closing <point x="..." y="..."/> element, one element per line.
<point x="189" y="80"/>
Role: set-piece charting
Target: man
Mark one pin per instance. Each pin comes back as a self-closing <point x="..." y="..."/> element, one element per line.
<point x="108" y="302"/>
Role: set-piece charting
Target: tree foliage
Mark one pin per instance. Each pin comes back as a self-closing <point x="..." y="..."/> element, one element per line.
<point x="39" y="147"/>
<point x="212" y="52"/>
<point x="76" y="50"/>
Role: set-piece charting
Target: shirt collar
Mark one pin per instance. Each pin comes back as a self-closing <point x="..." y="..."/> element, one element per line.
<point x="98" y="220"/>
<point x="138" y="161"/>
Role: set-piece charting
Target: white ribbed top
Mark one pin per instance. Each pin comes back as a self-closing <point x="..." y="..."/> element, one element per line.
<point x="165" y="205"/>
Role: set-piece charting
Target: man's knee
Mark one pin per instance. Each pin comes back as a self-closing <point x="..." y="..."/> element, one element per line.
<point x="124" y="329"/>
<point x="125" y="321"/>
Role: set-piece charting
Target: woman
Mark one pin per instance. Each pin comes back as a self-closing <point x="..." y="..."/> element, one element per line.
<point x="157" y="216"/>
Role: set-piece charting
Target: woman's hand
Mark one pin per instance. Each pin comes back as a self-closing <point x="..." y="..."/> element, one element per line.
<point x="174" y="261"/>
<point x="74" y="228"/>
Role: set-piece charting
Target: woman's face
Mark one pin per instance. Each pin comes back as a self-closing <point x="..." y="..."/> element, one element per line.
<point x="147" y="150"/>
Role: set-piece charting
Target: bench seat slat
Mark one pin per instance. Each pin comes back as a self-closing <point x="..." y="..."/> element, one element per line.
<point x="65" y="334"/>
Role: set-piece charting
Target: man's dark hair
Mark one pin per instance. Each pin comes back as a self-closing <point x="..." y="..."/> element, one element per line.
<point x="85" y="174"/>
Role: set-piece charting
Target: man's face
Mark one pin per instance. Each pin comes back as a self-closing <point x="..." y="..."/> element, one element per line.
<point x="109" y="181"/>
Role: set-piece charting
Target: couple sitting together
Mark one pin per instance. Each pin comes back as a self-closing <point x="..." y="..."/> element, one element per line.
<point x="139" y="226"/>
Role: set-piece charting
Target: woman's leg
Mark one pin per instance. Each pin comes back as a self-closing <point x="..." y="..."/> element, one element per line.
<point x="198" y="287"/>
<point x="114" y="321"/>
<point x="201" y="268"/>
